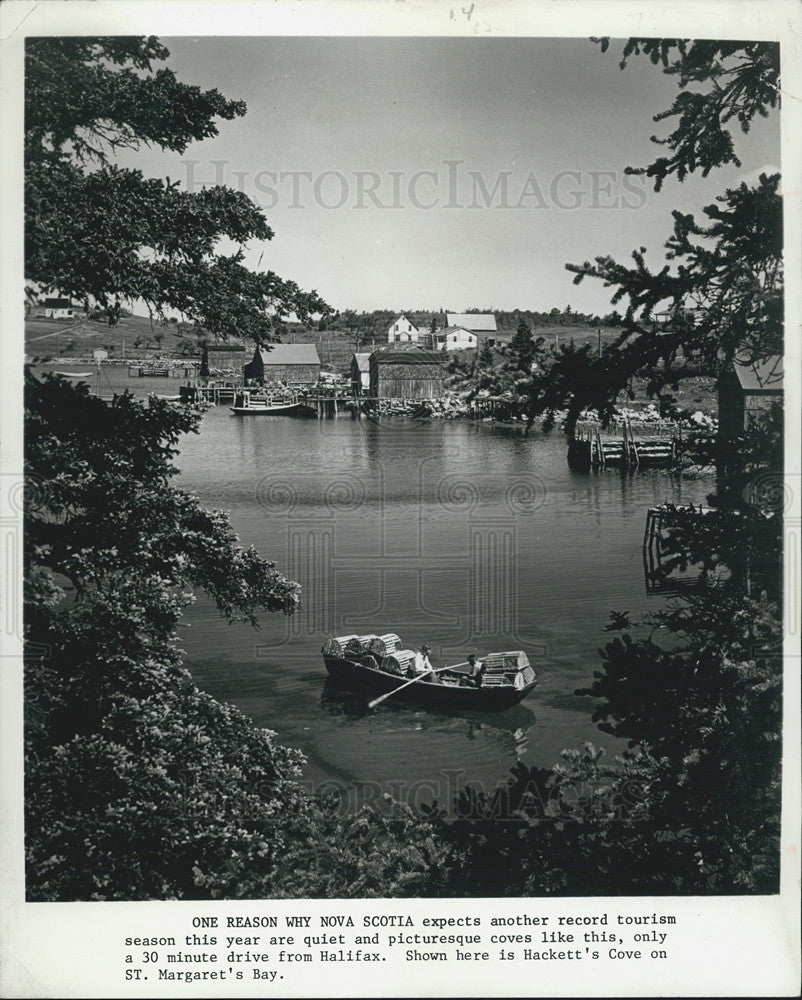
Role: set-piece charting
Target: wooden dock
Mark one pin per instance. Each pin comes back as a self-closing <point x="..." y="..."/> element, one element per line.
<point x="331" y="403"/>
<point x="625" y="444"/>
<point x="325" y="404"/>
<point x="211" y="393"/>
<point x="148" y="370"/>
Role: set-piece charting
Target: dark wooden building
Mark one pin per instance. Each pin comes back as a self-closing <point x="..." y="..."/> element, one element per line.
<point x="297" y="364"/>
<point x="746" y="390"/>
<point x="360" y="374"/>
<point x="222" y="357"/>
<point x="406" y="374"/>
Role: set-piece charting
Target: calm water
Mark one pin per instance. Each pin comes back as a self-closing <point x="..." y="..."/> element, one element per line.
<point x="461" y="535"/>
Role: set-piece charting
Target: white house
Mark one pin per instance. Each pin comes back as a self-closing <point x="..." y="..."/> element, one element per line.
<point x="401" y="331"/>
<point x="56" y="309"/>
<point x="475" y="322"/>
<point x="455" y="338"/>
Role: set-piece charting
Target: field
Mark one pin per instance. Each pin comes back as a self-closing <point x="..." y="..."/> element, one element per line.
<point x="133" y="337"/>
<point x="136" y="337"/>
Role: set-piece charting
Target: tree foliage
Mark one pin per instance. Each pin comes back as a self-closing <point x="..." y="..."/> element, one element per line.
<point x="139" y="785"/>
<point x="727" y="267"/>
<point x="721" y="84"/>
<point x="108" y="235"/>
<point x="485" y="358"/>
<point x="731" y="268"/>
<point x="523" y="347"/>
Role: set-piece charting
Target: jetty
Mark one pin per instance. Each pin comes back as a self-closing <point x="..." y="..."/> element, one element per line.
<point x="323" y="402"/>
<point x="625" y="444"/>
<point x="161" y="370"/>
<point x="212" y="392"/>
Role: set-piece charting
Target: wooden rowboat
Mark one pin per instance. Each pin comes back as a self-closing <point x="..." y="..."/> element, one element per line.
<point x="356" y="676"/>
<point x="247" y="405"/>
<point x="257" y="409"/>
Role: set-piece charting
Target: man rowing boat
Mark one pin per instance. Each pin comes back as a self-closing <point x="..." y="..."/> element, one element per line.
<point x="421" y="668"/>
<point x="477" y="670"/>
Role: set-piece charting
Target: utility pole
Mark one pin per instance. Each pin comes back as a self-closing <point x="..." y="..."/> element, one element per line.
<point x="598" y="330"/>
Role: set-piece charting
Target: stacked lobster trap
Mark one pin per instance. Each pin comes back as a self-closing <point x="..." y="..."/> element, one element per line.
<point x="381" y="652"/>
<point x="511" y="667"/>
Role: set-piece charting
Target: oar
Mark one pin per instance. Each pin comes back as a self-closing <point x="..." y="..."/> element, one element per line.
<point x="415" y="680"/>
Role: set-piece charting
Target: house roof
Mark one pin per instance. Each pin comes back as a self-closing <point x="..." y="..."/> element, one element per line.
<point x="483" y="322"/>
<point x="212" y="348"/>
<point x="402" y="316"/>
<point x="453" y="329"/>
<point x="407" y="357"/>
<point x="57" y="304"/>
<point x="764" y="376"/>
<point x="290" y="354"/>
<point x="362" y="361"/>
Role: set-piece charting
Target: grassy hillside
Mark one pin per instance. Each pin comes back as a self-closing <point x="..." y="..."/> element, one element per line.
<point x="136" y="337"/>
<point x="133" y="337"/>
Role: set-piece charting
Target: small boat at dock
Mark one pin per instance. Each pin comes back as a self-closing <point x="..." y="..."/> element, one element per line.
<point x="507" y="680"/>
<point x="247" y="405"/>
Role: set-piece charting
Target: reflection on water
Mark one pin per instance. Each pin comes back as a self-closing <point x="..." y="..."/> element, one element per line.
<point x="464" y="536"/>
<point x="339" y="701"/>
<point x="468" y="537"/>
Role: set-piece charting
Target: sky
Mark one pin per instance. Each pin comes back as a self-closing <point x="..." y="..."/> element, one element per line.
<point x="443" y="173"/>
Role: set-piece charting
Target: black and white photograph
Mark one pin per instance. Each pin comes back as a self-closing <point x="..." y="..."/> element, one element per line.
<point x="400" y="499"/>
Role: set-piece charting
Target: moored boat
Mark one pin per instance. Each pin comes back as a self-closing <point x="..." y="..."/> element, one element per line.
<point x="247" y="405"/>
<point x="504" y="684"/>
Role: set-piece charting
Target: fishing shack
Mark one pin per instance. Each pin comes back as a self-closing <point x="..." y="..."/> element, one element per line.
<point x="360" y="374"/>
<point x="411" y="373"/>
<point x="216" y="358"/>
<point x="745" y="390"/>
<point x="295" y="364"/>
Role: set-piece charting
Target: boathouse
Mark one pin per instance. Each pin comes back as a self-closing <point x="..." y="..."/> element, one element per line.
<point x="745" y="390"/>
<point x="297" y="364"/>
<point x="406" y="374"/>
<point x="222" y="357"/>
<point x="360" y="374"/>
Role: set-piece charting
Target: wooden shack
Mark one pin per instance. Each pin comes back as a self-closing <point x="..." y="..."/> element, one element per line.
<point x="360" y="374"/>
<point x="746" y="389"/>
<point x="222" y="357"/>
<point x="406" y="374"/>
<point x="296" y="364"/>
